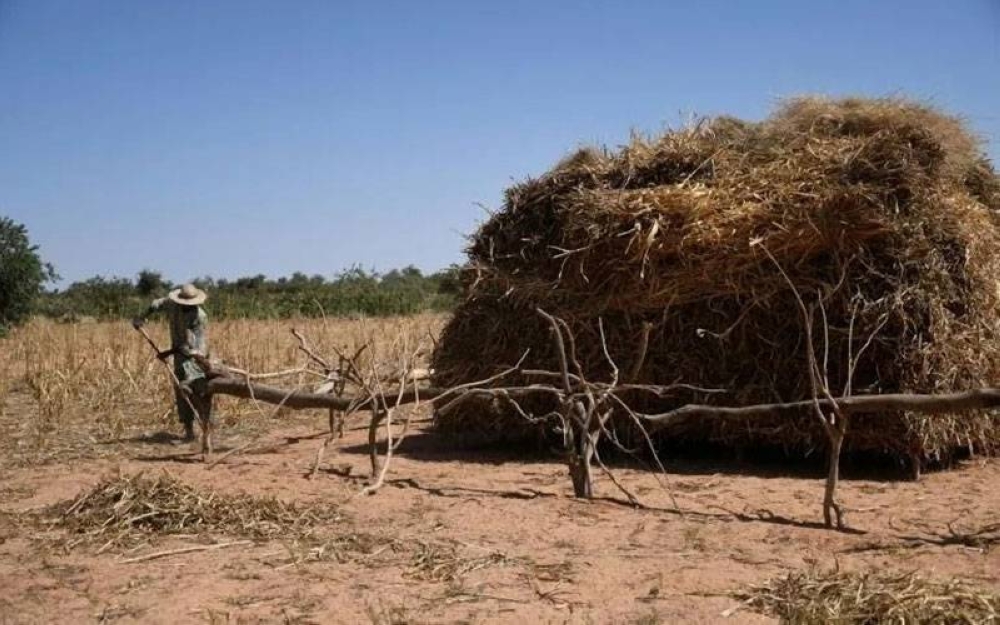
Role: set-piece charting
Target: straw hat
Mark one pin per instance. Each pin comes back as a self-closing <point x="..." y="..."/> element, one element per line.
<point x="188" y="295"/>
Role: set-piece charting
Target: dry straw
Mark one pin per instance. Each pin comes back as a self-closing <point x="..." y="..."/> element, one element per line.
<point x="884" y="214"/>
<point x="126" y="508"/>
<point x="867" y="598"/>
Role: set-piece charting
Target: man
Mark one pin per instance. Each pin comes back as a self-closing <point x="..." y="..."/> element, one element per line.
<point x="188" y="323"/>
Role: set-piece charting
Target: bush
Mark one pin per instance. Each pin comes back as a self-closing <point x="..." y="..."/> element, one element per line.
<point x="22" y="274"/>
<point x="352" y="292"/>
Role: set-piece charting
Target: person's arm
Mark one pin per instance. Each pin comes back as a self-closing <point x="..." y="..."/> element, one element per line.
<point x="155" y="307"/>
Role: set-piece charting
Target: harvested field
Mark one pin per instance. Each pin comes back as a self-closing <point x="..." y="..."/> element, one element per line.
<point x="680" y="259"/>
<point x="455" y="536"/>
<point x="688" y="253"/>
<point x="101" y="375"/>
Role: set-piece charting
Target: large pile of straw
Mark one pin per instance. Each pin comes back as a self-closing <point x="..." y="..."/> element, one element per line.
<point x="885" y="211"/>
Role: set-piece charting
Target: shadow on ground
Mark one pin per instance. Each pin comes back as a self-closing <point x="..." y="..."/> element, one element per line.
<point x="706" y="460"/>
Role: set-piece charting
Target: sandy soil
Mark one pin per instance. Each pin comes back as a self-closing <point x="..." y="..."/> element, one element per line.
<point x="534" y="553"/>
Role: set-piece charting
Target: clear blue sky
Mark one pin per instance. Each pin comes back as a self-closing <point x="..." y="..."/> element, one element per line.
<point x="231" y="138"/>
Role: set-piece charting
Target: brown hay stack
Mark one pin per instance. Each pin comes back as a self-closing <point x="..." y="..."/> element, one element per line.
<point x="884" y="210"/>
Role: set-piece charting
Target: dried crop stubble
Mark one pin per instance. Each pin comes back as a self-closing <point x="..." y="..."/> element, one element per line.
<point x="64" y="386"/>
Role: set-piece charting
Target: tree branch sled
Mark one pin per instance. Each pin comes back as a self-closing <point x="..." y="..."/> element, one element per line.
<point x="222" y="384"/>
<point x="584" y="407"/>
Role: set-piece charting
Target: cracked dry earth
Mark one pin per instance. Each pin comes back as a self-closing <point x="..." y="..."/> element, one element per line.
<point x="470" y="537"/>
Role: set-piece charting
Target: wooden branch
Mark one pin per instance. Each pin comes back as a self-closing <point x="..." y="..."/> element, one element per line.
<point x="855" y="404"/>
<point x="640" y="354"/>
<point x="308" y="351"/>
<point x="174" y="552"/>
<point x="560" y="349"/>
<point x="301" y="400"/>
<point x="223" y="382"/>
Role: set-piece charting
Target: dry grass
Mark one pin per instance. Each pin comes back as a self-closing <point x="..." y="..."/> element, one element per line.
<point x="126" y="509"/>
<point x="130" y="511"/>
<point x="814" y="597"/>
<point x="64" y="387"/>
<point x="445" y="561"/>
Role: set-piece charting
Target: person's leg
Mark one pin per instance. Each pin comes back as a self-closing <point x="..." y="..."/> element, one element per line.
<point x="202" y="401"/>
<point x="185" y="404"/>
<point x="185" y="414"/>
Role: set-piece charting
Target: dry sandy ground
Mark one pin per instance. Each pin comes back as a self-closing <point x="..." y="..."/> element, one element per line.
<point x="535" y="554"/>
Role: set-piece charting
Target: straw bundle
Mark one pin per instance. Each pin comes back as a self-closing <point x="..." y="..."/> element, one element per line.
<point x="815" y="596"/>
<point x="883" y="213"/>
<point x="126" y="508"/>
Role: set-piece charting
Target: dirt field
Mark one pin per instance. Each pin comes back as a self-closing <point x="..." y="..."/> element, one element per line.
<point x="454" y="536"/>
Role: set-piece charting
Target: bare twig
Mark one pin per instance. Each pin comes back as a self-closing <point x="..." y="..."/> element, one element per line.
<point x="174" y="552"/>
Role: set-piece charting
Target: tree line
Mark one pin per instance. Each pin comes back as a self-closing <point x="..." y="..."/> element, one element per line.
<point x="352" y="292"/>
<point x="25" y="290"/>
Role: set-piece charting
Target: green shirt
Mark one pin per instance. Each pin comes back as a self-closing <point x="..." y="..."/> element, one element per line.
<point x="188" y="326"/>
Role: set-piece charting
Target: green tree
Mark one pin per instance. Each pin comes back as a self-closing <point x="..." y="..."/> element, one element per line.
<point x="107" y="298"/>
<point x="150" y="283"/>
<point x="353" y="291"/>
<point x="22" y="273"/>
<point x="449" y="281"/>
